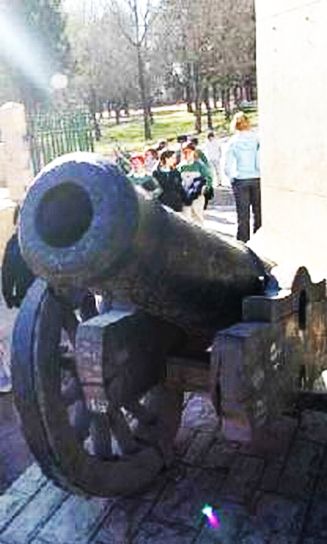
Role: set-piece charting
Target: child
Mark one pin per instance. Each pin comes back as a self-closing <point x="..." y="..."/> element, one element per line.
<point x="16" y="276"/>
<point x="139" y="176"/>
<point x="213" y="152"/>
<point x="196" y="178"/>
<point x="170" y="181"/>
<point x="150" y="160"/>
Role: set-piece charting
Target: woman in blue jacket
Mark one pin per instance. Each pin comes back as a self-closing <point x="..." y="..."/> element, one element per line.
<point x="242" y="167"/>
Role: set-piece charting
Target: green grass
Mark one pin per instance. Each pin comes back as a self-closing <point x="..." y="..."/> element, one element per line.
<point x="168" y="124"/>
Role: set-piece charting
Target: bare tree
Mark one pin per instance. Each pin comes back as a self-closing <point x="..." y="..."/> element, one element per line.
<point x="105" y="68"/>
<point x="214" y="42"/>
<point x="136" y="34"/>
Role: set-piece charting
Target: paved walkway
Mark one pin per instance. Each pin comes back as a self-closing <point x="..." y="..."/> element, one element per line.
<point x="273" y="491"/>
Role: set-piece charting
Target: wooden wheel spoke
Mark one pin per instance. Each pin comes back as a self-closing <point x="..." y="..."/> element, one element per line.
<point x="71" y="391"/>
<point x="101" y="435"/>
<point x="80" y="419"/>
<point x="74" y="440"/>
<point x="121" y="430"/>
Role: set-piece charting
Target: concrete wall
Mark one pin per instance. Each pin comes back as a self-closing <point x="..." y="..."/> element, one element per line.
<point x="292" y="97"/>
<point x="15" y="164"/>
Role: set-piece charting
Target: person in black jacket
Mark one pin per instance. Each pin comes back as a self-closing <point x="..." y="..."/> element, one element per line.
<point x="170" y="182"/>
<point x="16" y="276"/>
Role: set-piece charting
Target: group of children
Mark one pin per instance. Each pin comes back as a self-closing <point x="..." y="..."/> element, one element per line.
<point x="181" y="179"/>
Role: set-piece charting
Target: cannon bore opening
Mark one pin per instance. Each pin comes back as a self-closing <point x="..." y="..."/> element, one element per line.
<point x="64" y="215"/>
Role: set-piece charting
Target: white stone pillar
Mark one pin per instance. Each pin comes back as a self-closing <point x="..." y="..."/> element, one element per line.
<point x="17" y="169"/>
<point x="292" y="99"/>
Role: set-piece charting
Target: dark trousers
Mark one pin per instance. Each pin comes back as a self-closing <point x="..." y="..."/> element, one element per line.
<point x="247" y="195"/>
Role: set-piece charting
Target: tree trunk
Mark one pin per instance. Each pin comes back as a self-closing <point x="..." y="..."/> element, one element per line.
<point x="226" y="103"/>
<point x="198" y="100"/>
<point x="208" y="107"/>
<point x="215" y="95"/>
<point x="126" y="108"/>
<point x="142" y="86"/>
<point x="117" y="115"/>
<point x="97" y="131"/>
<point x="100" y="110"/>
<point x="188" y="88"/>
<point x="248" y="93"/>
<point x="93" y="111"/>
<point x="253" y="91"/>
<point x="150" y="114"/>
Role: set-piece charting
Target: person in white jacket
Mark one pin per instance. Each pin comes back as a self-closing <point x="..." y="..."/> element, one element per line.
<point x="212" y="151"/>
<point x="242" y="168"/>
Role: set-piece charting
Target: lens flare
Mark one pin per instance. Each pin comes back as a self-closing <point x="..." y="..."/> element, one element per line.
<point x="212" y="517"/>
<point x="59" y="81"/>
<point x="22" y="51"/>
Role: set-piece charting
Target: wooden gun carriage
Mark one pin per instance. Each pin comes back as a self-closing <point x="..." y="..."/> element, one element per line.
<point x="101" y="400"/>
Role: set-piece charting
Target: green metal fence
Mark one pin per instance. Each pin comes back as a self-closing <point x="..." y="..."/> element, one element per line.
<point x="53" y="134"/>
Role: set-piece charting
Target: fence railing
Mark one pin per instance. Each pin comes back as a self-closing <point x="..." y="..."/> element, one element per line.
<point x="53" y="134"/>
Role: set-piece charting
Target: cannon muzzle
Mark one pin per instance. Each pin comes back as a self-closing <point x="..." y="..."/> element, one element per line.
<point x="83" y="223"/>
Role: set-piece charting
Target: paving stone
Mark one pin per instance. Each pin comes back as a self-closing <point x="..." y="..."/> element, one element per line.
<point x="123" y="521"/>
<point x="35" y="513"/>
<point x="271" y="475"/>
<point x="277" y="441"/>
<point x="19" y="494"/>
<point x="183" y="439"/>
<point x="322" y="482"/>
<point x="155" y="532"/>
<point x="14" y="452"/>
<point x="199" y="412"/>
<point x="153" y="491"/>
<point x="10" y="506"/>
<point x="280" y="518"/>
<point x="283" y="540"/>
<point x="235" y="527"/>
<point x="313" y="426"/>
<point x="273" y="440"/>
<point x="183" y="500"/>
<point x="243" y="478"/>
<point x="221" y="454"/>
<point x="316" y="526"/>
<point x="312" y="540"/>
<point x="30" y="482"/>
<point x="198" y="448"/>
<point x="303" y="463"/>
<point x="75" y="521"/>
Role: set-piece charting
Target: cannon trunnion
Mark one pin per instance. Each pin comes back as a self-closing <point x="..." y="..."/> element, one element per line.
<point x="101" y="400"/>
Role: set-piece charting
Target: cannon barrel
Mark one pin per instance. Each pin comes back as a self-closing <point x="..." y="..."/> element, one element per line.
<point x="84" y="224"/>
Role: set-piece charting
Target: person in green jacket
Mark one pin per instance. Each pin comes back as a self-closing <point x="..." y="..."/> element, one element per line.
<point x="196" y="179"/>
<point x="201" y="155"/>
<point x="140" y="178"/>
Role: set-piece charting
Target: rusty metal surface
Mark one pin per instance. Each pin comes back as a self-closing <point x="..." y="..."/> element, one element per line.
<point x="83" y="222"/>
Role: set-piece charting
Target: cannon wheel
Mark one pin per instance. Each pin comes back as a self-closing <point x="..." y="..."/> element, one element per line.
<point x="104" y="453"/>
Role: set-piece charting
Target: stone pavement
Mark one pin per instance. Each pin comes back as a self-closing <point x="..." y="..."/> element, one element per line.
<point x="14" y="453"/>
<point x="273" y="491"/>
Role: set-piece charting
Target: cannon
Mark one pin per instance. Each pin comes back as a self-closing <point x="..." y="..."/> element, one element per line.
<point x="187" y="310"/>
